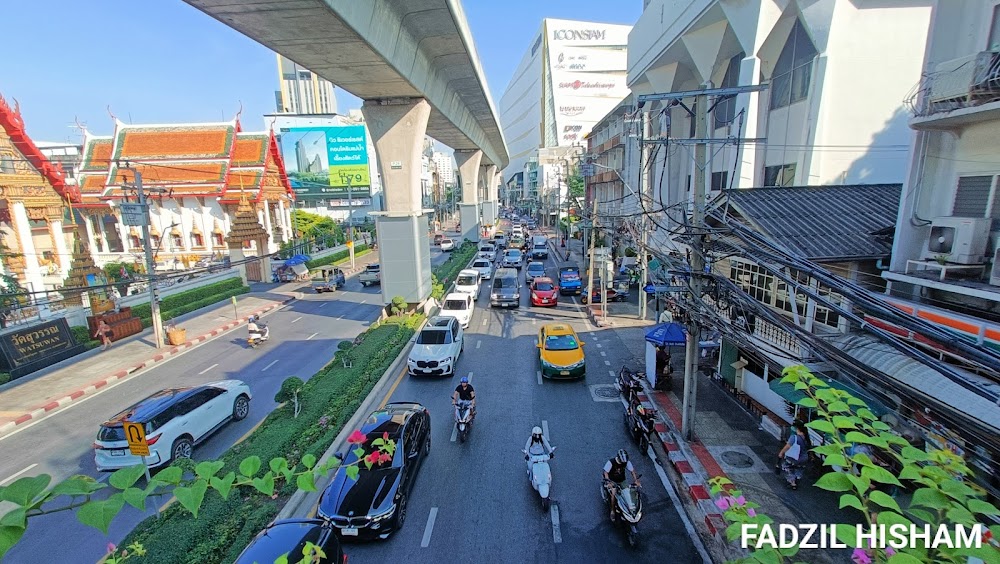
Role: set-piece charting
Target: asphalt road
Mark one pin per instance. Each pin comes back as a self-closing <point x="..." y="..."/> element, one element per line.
<point x="483" y="507"/>
<point x="304" y="337"/>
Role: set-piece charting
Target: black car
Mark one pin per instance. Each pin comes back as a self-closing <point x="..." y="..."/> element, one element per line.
<point x="374" y="505"/>
<point x="289" y="537"/>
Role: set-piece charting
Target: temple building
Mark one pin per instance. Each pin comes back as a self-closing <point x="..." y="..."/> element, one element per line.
<point x="194" y="176"/>
<point x="36" y="230"/>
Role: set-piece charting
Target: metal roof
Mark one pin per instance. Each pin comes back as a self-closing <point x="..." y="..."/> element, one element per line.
<point x="822" y="223"/>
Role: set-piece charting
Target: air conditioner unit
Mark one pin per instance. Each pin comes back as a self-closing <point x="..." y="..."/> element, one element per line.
<point x="952" y="79"/>
<point x="960" y="240"/>
<point x="986" y="76"/>
<point x="995" y="270"/>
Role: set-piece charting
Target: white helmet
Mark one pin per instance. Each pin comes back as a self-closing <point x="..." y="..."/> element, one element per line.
<point x="622" y="456"/>
<point x="536" y="432"/>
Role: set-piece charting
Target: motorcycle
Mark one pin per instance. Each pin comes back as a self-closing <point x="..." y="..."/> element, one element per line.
<point x="613" y="296"/>
<point x="629" y="384"/>
<point x="464" y="417"/>
<point x="641" y="424"/>
<point x="540" y="474"/>
<point x="255" y="339"/>
<point x="627" y="508"/>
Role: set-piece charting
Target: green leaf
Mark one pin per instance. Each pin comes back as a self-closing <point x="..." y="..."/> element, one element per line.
<point x="9" y="536"/>
<point x="889" y="518"/>
<point x="827" y="395"/>
<point x="807" y="402"/>
<point x="766" y="556"/>
<point x="821" y="426"/>
<point x="909" y="472"/>
<point x="77" y="485"/>
<point x="903" y="558"/>
<point x="987" y="553"/>
<point x="265" y="484"/>
<point x="278" y="465"/>
<point x="843" y="422"/>
<point x="851" y="400"/>
<point x="862" y="459"/>
<point x="170" y="475"/>
<point x="866" y="413"/>
<point x="850" y="500"/>
<point x="135" y="497"/>
<point x="981" y="507"/>
<point x="930" y="498"/>
<point x="192" y="497"/>
<point x="836" y="460"/>
<point x="957" y="490"/>
<point x="24" y="490"/>
<point x="17" y="517"/>
<point x="838" y="407"/>
<point x="881" y="426"/>
<point x="829" y="449"/>
<point x="208" y="468"/>
<point x="250" y="466"/>
<point x="306" y="482"/>
<point x="98" y="514"/>
<point x="359" y="452"/>
<point x="889" y="437"/>
<point x="834" y="482"/>
<point x="861" y="483"/>
<point x="923" y="515"/>
<point x="224" y="484"/>
<point x="309" y="460"/>
<point x="914" y="454"/>
<point x="856" y="437"/>
<point x="734" y="531"/>
<point x="879" y="474"/>
<point x="125" y="478"/>
<point x="846" y="534"/>
<point x="961" y="515"/>
<point x="352" y="471"/>
<point x="883" y="499"/>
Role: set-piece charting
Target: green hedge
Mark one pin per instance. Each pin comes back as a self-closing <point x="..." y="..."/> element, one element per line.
<point x="191" y="300"/>
<point x="446" y="273"/>
<point x="82" y="336"/>
<point x="223" y="528"/>
<point x="338" y="256"/>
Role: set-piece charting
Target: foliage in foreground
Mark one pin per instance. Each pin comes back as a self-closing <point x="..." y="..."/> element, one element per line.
<point x="942" y="492"/>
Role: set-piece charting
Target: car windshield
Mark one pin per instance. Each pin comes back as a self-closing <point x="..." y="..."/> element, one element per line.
<point x="434" y="337"/>
<point x="466" y="280"/>
<point x="544" y="286"/>
<point x="514" y="254"/>
<point x="499" y="283"/>
<point x="454" y="304"/>
<point x="570" y="276"/>
<point x="486" y="249"/>
<point x="535" y="267"/>
<point x="480" y="264"/>
<point x="561" y="343"/>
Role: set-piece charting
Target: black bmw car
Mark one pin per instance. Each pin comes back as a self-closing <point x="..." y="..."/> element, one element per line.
<point x="288" y="537"/>
<point x="374" y="505"/>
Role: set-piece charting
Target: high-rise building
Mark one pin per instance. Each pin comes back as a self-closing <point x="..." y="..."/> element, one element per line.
<point x="571" y="76"/>
<point x="444" y="163"/>
<point x="302" y="91"/>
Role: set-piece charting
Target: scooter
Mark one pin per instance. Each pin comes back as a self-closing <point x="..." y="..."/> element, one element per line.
<point x="627" y="507"/>
<point x="540" y="474"/>
<point x="255" y="339"/>
<point x="463" y="420"/>
<point x="640" y="422"/>
<point x="629" y="384"/>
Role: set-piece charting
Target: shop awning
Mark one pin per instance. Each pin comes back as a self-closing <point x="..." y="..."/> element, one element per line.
<point x="300" y="269"/>
<point x="787" y="391"/>
<point x="666" y="334"/>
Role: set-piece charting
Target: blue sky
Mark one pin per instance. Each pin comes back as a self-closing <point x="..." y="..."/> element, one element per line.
<point x="163" y="61"/>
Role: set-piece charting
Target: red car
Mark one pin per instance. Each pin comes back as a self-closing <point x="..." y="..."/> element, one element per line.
<point x="544" y="292"/>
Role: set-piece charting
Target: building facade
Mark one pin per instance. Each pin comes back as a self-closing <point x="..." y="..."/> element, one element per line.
<point x="832" y="113"/>
<point x="301" y="91"/>
<point x="573" y="73"/>
<point x="67" y="155"/>
<point x="444" y="166"/>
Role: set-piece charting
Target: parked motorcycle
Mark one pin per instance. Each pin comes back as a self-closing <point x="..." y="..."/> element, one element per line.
<point x="255" y="339"/>
<point x="540" y="474"/>
<point x="641" y="424"/>
<point x="464" y="417"/>
<point x="613" y="296"/>
<point x="629" y="384"/>
<point x="627" y="506"/>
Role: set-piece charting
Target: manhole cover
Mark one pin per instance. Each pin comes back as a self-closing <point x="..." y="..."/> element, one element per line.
<point x="604" y="392"/>
<point x="737" y="459"/>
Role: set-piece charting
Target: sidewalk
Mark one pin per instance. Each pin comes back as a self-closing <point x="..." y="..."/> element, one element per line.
<point x="729" y="442"/>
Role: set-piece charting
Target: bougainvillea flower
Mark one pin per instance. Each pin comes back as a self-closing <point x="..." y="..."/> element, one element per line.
<point x="356" y="438"/>
<point x="383" y="458"/>
<point x="723" y="502"/>
<point x="372" y="458"/>
<point x="889" y="551"/>
<point x="751" y="512"/>
<point x="385" y="436"/>
<point x="111" y="547"/>
<point x="860" y="556"/>
<point x="741" y="501"/>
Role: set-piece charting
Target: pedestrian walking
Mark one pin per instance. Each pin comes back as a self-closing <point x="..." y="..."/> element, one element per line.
<point x="104" y="334"/>
<point x="793" y="456"/>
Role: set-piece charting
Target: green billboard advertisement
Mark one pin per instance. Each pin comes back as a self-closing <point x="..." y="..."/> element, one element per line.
<point x="327" y="161"/>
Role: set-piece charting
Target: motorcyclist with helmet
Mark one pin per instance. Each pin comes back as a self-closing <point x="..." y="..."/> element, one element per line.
<point x="466" y="393"/>
<point x="615" y="475"/>
<point x="537" y="445"/>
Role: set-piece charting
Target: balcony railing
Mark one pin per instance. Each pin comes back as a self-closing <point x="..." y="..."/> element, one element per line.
<point x="956" y="84"/>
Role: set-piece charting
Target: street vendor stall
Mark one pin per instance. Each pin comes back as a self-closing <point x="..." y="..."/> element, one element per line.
<point x="665" y="335"/>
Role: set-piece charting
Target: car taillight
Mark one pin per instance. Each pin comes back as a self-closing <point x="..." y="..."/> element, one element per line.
<point x="152" y="440"/>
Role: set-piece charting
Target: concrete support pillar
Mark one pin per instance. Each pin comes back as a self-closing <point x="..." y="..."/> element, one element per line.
<point x="750" y="155"/>
<point x="270" y="245"/>
<point x="88" y="225"/>
<point x="207" y="227"/>
<point x="397" y="129"/>
<point x="487" y="174"/>
<point x="283" y="220"/>
<point x="468" y="172"/>
<point x="64" y="257"/>
<point x="32" y="270"/>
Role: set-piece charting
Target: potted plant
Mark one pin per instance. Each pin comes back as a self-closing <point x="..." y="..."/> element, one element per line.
<point x="941" y="259"/>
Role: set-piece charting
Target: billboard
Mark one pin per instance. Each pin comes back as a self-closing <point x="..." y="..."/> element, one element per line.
<point x="589" y="85"/>
<point x="589" y="59"/>
<point x="324" y="161"/>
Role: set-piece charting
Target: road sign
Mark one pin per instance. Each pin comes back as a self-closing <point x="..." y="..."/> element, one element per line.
<point x="662" y="288"/>
<point x="586" y="170"/>
<point x="134" y="214"/>
<point x="135" y="434"/>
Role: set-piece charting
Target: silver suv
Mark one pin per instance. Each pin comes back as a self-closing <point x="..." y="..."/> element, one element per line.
<point x="512" y="258"/>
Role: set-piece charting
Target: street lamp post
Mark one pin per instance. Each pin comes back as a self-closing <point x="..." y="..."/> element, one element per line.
<point x="154" y="295"/>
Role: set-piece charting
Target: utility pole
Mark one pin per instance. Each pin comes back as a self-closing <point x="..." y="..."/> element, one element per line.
<point x="593" y="244"/>
<point x="154" y="294"/>
<point x="350" y="221"/>
<point x="645" y="185"/>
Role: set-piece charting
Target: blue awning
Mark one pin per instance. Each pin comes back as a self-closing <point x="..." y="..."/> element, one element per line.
<point x="666" y="334"/>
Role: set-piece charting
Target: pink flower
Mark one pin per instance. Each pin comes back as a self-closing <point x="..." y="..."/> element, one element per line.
<point x="356" y="438"/>
<point x="111" y="547"/>
<point x="741" y="501"/>
<point x="383" y="458"/>
<point x="751" y="512"/>
<point x="372" y="458"/>
<point x="860" y="556"/>
<point x="723" y="502"/>
<point x="889" y="551"/>
<point x="385" y="436"/>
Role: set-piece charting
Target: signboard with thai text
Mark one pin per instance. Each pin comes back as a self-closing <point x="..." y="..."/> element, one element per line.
<point x="35" y="347"/>
<point x="324" y="161"/>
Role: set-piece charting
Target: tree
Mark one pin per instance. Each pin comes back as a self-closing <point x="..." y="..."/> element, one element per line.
<point x="290" y="389"/>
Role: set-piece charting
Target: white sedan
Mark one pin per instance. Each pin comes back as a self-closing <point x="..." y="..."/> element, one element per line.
<point x="485" y="268"/>
<point x="459" y="306"/>
<point x="447" y="245"/>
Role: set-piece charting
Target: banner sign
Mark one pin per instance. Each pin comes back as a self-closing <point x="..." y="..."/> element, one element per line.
<point x="323" y="161"/>
<point x="32" y="348"/>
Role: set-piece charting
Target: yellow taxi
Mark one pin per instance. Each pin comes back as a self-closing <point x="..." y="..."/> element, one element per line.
<point x="560" y="352"/>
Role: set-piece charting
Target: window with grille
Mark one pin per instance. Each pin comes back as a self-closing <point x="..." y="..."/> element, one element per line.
<point x="779" y="175"/>
<point x="754" y="280"/>
<point x="725" y="110"/>
<point x="793" y="71"/>
<point x="720" y="180"/>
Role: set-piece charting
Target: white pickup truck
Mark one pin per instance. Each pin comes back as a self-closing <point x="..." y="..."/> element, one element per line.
<point x="372" y="275"/>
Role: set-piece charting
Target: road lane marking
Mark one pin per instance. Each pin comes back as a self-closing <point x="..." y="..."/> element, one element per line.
<point x="323" y="304"/>
<point x="604" y="353"/>
<point x="533" y="320"/>
<point x="612" y="373"/>
<point x="270" y="365"/>
<point x="429" y="528"/>
<point x="556" y="530"/>
<point x="479" y="344"/>
<point x="207" y="369"/>
<point x="454" y="429"/>
<point x="539" y="374"/>
<point x="598" y="344"/>
<point x="484" y="321"/>
<point x="309" y="338"/>
<point x="608" y="362"/>
<point x="339" y="318"/>
<point x="14" y="476"/>
<point x="297" y="319"/>
<point x="393" y="388"/>
<point x="545" y="429"/>
<point x="363" y="301"/>
<point x="678" y="507"/>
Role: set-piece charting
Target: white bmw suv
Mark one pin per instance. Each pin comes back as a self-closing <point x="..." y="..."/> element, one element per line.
<point x="437" y="348"/>
<point x="175" y="420"/>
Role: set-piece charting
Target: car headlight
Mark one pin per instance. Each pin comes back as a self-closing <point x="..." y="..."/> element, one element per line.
<point x="385" y="514"/>
<point x="547" y="364"/>
<point x="446" y="360"/>
<point x="517" y="295"/>
<point x="578" y="364"/>
<point x="534" y="296"/>
<point x="411" y="361"/>
<point x="496" y="296"/>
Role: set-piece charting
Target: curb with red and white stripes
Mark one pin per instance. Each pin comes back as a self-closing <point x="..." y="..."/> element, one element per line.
<point x="694" y="484"/>
<point x="40" y="412"/>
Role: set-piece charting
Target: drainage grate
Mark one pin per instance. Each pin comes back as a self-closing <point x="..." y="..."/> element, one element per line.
<point x="737" y="459"/>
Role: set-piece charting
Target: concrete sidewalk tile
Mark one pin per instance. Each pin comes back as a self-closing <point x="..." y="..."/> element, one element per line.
<point x="707" y="460"/>
<point x="675" y="456"/>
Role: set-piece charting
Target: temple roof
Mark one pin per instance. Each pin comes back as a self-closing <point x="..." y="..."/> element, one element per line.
<point x="13" y="124"/>
<point x="210" y="160"/>
<point x="245" y="226"/>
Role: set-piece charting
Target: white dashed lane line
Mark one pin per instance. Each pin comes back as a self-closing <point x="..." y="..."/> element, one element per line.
<point x="13" y="476"/>
<point x="429" y="528"/>
<point x="207" y="369"/>
<point x="539" y="374"/>
<point x="269" y="365"/>
<point x="297" y="319"/>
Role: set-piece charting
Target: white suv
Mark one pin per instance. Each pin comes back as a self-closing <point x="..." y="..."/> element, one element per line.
<point x="467" y="282"/>
<point x="459" y="306"/>
<point x="175" y="420"/>
<point x="436" y="348"/>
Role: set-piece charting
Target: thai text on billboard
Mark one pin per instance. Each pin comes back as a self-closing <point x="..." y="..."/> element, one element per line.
<point x="327" y="161"/>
